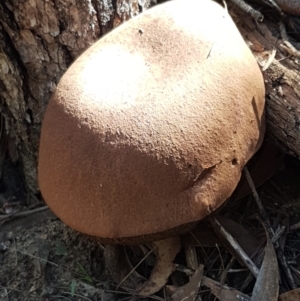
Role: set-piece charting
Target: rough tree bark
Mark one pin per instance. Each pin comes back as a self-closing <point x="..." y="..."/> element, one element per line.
<point x="40" y="39"/>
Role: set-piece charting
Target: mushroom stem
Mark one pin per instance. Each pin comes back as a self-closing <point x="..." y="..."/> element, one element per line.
<point x="166" y="251"/>
<point x="124" y="274"/>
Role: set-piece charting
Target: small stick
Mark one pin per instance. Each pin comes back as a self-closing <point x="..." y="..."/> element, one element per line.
<point x="141" y="261"/>
<point x="288" y="47"/>
<point x="267" y="225"/>
<point x="274" y="4"/>
<point x="262" y="211"/>
<point x="255" y="14"/>
<point x="295" y="226"/>
<point x="225" y="5"/>
<point x="222" y="233"/>
<point x="226" y="270"/>
<point x="23" y="213"/>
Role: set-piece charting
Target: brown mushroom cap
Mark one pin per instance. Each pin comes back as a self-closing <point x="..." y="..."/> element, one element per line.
<point x="151" y="127"/>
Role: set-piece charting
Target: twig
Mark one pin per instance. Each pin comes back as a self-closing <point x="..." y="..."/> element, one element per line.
<point x="247" y="281"/>
<point x="256" y="15"/>
<point x="72" y="294"/>
<point x="267" y="225"/>
<point x="262" y="211"/>
<point x="222" y="233"/>
<point x="23" y="213"/>
<point x="45" y="260"/>
<point x="184" y="269"/>
<point x="5" y="288"/>
<point x="216" y="288"/>
<point x="295" y="226"/>
<point x="142" y="260"/>
<point x="274" y="4"/>
<point x="36" y="257"/>
<point x="278" y="233"/>
<point x="226" y="270"/>
<point x="154" y="297"/>
<point x="288" y="47"/>
<point x="199" y="245"/>
<point x="225" y="5"/>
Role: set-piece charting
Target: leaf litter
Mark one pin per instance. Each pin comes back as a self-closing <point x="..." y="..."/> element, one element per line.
<point x="42" y="258"/>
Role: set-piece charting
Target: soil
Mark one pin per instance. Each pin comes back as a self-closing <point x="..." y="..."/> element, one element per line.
<point x="43" y="259"/>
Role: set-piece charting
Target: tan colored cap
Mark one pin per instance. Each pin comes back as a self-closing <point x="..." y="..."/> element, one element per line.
<point x="151" y="127"/>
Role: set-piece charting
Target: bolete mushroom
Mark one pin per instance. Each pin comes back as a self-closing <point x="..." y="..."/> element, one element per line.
<point x="149" y="130"/>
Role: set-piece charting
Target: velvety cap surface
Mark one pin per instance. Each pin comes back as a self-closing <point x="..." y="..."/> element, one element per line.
<point x="151" y="126"/>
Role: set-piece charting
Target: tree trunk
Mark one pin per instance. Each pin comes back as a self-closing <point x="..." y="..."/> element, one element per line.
<point x="40" y="39"/>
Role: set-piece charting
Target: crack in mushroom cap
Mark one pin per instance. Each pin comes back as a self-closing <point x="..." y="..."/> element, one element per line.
<point x="151" y="127"/>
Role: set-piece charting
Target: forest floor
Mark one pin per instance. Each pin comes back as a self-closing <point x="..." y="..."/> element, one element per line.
<point x="43" y="259"/>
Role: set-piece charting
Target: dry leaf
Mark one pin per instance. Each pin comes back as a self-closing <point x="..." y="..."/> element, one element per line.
<point x="289" y="6"/>
<point x="188" y="292"/>
<point x="267" y="284"/>
<point x="224" y="293"/>
<point x="293" y="295"/>
<point x="166" y="250"/>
